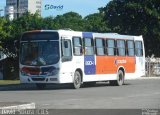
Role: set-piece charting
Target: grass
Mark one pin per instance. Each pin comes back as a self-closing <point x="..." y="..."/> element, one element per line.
<point x="9" y="82"/>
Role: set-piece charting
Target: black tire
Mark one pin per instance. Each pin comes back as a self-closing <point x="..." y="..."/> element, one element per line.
<point x="120" y="79"/>
<point x="77" y="81"/>
<point x="41" y="86"/>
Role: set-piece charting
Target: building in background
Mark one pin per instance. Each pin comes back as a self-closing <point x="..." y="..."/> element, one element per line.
<point x="16" y="8"/>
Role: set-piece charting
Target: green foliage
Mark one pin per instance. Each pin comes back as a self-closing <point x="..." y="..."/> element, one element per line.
<point x="136" y="17"/>
<point x="70" y="20"/>
<point x="13" y="29"/>
<point x="94" y="22"/>
<point x="3" y="32"/>
<point x="26" y="23"/>
<point x="48" y="23"/>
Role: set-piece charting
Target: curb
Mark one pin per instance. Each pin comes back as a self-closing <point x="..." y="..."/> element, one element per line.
<point x="16" y="87"/>
<point x="19" y="107"/>
<point x="149" y="78"/>
<point x="145" y="78"/>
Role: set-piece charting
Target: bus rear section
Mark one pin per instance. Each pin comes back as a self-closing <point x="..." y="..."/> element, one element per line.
<point x="118" y="57"/>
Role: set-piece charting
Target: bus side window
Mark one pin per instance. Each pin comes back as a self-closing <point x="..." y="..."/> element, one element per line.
<point x="121" y="48"/>
<point x="66" y="50"/>
<point x="138" y="48"/>
<point x="110" y="47"/>
<point x="77" y="46"/>
<point x="130" y="48"/>
<point x="88" y="46"/>
<point x="100" y="46"/>
<point x="65" y="44"/>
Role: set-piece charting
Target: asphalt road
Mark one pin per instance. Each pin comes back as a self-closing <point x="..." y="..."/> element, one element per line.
<point x="135" y="94"/>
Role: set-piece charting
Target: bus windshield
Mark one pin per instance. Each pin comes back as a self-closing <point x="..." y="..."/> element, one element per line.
<point x="39" y="53"/>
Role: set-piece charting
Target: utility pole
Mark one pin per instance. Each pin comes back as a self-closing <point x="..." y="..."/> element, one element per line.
<point x="18" y="8"/>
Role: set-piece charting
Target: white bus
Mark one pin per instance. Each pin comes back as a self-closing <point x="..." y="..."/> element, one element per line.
<point x="66" y="56"/>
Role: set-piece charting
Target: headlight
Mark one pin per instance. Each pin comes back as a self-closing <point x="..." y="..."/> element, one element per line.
<point x="24" y="73"/>
<point x="53" y="72"/>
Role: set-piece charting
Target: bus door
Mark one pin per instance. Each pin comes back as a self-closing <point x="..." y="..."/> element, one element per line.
<point x="140" y="59"/>
<point x="66" y="53"/>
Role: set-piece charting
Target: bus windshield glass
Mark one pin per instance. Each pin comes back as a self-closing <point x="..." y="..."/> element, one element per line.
<point x="39" y="53"/>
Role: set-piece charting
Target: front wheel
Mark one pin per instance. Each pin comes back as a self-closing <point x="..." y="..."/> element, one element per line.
<point x="120" y="79"/>
<point x="77" y="80"/>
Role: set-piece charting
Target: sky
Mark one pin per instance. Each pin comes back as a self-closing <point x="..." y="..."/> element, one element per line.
<point x="59" y="7"/>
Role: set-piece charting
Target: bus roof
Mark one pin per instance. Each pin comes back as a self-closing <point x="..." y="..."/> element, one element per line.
<point x="115" y="36"/>
<point x="102" y="35"/>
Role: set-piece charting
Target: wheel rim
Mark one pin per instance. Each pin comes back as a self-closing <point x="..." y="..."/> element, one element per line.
<point x="120" y="79"/>
<point x="77" y="80"/>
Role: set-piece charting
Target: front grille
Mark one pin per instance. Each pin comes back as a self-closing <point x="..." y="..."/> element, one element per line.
<point x="38" y="79"/>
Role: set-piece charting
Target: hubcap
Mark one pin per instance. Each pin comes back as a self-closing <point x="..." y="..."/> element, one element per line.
<point x="120" y="78"/>
<point x="77" y="79"/>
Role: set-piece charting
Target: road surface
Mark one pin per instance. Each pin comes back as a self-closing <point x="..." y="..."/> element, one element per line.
<point x="135" y="94"/>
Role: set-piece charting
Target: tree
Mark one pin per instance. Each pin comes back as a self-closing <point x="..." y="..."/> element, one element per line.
<point x="27" y="22"/>
<point x="48" y="23"/>
<point x="12" y="30"/>
<point x="5" y="33"/>
<point x="136" y="17"/>
<point x="70" y="20"/>
<point x="95" y="23"/>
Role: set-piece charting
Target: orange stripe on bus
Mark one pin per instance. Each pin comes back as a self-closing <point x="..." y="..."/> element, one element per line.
<point x="110" y="64"/>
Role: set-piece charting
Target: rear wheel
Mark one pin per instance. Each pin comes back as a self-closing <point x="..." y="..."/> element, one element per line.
<point x="41" y="85"/>
<point x="120" y="79"/>
<point x="77" y="80"/>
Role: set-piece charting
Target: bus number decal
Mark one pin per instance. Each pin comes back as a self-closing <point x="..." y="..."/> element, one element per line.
<point x="89" y="65"/>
